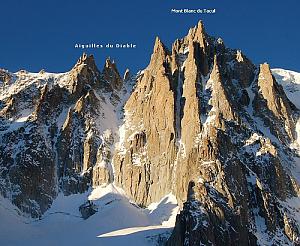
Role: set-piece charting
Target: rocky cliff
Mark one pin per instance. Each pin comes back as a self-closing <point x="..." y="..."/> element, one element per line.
<point x="201" y="121"/>
<point x="54" y="131"/>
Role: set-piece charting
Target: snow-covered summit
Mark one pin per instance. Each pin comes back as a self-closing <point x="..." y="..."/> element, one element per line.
<point x="290" y="81"/>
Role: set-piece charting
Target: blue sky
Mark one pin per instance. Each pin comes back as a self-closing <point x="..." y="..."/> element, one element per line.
<point x="41" y="34"/>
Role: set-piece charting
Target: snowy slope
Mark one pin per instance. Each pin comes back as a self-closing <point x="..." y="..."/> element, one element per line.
<point x="23" y="79"/>
<point x="290" y="81"/>
<point x="117" y="222"/>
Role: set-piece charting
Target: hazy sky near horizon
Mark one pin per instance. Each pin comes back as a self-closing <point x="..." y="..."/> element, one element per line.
<point x="42" y="34"/>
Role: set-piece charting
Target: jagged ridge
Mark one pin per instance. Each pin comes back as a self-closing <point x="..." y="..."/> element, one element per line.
<point x="202" y="122"/>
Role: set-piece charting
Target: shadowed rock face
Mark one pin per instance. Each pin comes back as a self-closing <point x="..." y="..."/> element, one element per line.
<point x="51" y="130"/>
<point x="5" y="76"/>
<point x="111" y="73"/>
<point x="202" y="122"/>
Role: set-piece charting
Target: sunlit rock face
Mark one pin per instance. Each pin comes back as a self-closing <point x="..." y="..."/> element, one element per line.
<point x="203" y="114"/>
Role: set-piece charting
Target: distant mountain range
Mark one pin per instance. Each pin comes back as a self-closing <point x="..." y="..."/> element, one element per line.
<point x="199" y="148"/>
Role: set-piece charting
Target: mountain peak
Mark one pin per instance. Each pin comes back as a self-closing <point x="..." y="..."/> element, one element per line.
<point x="111" y="74"/>
<point x="197" y="33"/>
<point x="265" y="74"/>
<point x="265" y="66"/>
<point x="5" y="76"/>
<point x="126" y="75"/>
<point x="158" y="45"/>
<point x="87" y="60"/>
<point x="200" y="26"/>
<point x="277" y="106"/>
<point x="159" y="56"/>
<point x="85" y="65"/>
<point x="110" y="64"/>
